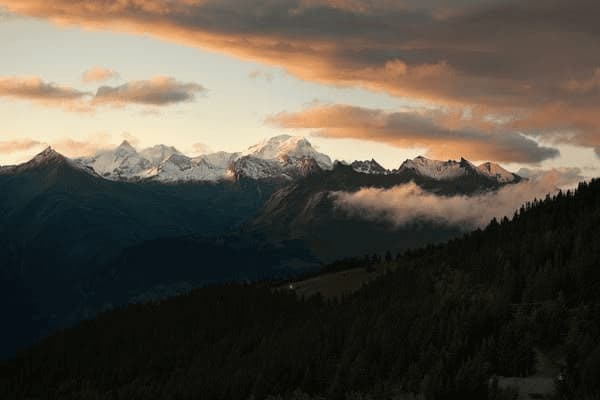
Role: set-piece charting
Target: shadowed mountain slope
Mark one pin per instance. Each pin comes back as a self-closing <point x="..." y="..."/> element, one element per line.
<point x="444" y="322"/>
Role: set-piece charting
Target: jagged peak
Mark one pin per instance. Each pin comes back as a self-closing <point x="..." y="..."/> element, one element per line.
<point x="284" y="147"/>
<point x="450" y="169"/>
<point x="125" y="145"/>
<point x="160" y="147"/>
<point x="49" y="158"/>
<point x="497" y="172"/>
<point x="48" y="154"/>
<point x="422" y="160"/>
<point x="48" y="151"/>
<point x="159" y="153"/>
<point x="369" y="167"/>
<point x="467" y="164"/>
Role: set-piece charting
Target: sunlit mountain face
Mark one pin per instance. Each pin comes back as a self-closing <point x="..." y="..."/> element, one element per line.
<point x="399" y="194"/>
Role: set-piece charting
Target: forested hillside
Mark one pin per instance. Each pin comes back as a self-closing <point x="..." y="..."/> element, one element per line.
<point x="441" y="324"/>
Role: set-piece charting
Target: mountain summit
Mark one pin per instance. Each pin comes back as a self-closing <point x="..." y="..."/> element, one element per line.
<point x="286" y="147"/>
<point x="451" y="169"/>
<point x="48" y="155"/>
<point x="47" y="159"/>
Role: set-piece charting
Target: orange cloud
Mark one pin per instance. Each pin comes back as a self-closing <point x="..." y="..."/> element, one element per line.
<point x="445" y="135"/>
<point x="98" y="74"/>
<point x="68" y="146"/>
<point x="157" y="91"/>
<point x="14" y="146"/>
<point x="80" y="148"/>
<point x="34" y="89"/>
<point x="449" y="53"/>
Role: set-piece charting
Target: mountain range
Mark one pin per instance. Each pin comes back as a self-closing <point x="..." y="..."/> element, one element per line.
<point x="283" y="157"/>
<point x="78" y="236"/>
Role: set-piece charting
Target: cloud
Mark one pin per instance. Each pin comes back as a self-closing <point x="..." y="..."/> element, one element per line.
<point x="131" y="138"/>
<point x="407" y="203"/>
<point x="17" y="151"/>
<point x="563" y="177"/>
<point x="99" y="74"/>
<point x="5" y="16"/>
<point x="201" y="148"/>
<point x="158" y="91"/>
<point x="256" y="74"/>
<point x="445" y="52"/>
<point x="82" y="147"/>
<point x="36" y="90"/>
<point x="14" y="146"/>
<point x="446" y="135"/>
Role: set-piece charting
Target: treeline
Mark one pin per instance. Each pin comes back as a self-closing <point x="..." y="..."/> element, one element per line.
<point x="439" y="325"/>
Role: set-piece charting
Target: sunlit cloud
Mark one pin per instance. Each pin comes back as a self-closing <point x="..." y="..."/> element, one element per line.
<point x="45" y="93"/>
<point x="99" y="74"/>
<point x="21" y="150"/>
<point x="157" y="91"/>
<point x="201" y="148"/>
<point x="14" y="146"/>
<point x="448" y="53"/>
<point x="446" y="135"/>
<point x="563" y="177"/>
<point x="87" y="146"/>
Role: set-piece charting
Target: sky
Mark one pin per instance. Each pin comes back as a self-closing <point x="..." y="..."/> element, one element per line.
<point x="515" y="82"/>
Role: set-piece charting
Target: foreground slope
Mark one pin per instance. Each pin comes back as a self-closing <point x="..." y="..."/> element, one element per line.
<point x="442" y="322"/>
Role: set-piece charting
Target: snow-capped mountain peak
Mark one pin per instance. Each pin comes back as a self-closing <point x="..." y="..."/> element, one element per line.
<point x="220" y="159"/>
<point x="125" y="148"/>
<point x="285" y="148"/>
<point x="122" y="163"/>
<point x="369" y="167"/>
<point x="435" y="169"/>
<point x="495" y="171"/>
<point x="159" y="153"/>
<point x="47" y="154"/>
<point x="45" y="159"/>
<point x="451" y="169"/>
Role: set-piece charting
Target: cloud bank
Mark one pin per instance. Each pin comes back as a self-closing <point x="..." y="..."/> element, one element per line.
<point x="36" y="90"/>
<point x="157" y="91"/>
<point x="564" y="177"/>
<point x="446" y="135"/>
<point x="71" y="147"/>
<point x="15" y="146"/>
<point x="404" y="204"/>
<point x="540" y="74"/>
